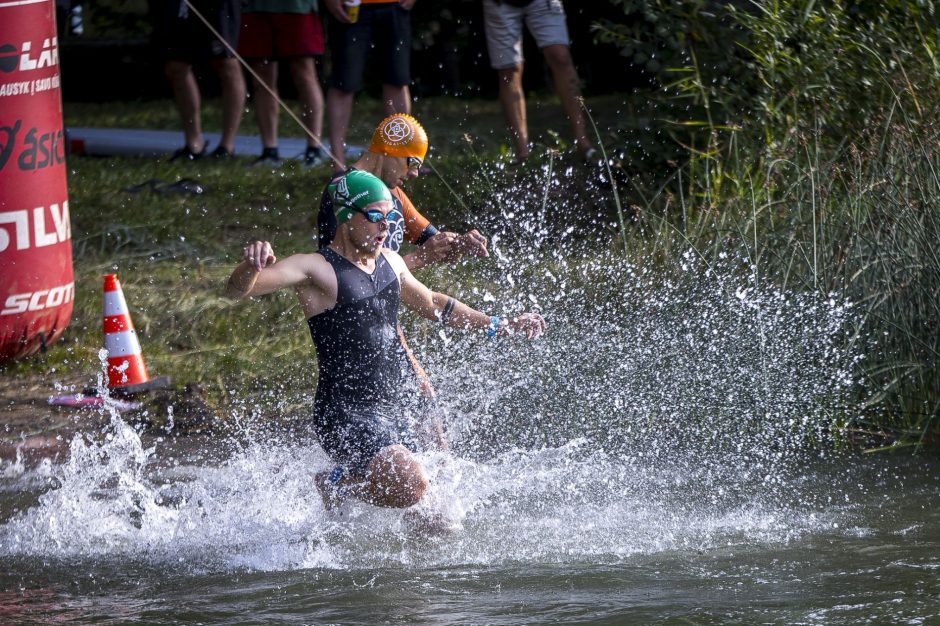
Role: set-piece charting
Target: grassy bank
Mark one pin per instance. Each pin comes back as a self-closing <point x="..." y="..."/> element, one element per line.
<point x="858" y="222"/>
<point x="174" y="251"/>
<point x="808" y="136"/>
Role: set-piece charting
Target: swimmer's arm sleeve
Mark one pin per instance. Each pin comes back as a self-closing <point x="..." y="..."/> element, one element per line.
<point x="418" y="228"/>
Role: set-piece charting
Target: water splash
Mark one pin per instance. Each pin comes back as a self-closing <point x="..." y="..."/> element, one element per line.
<point x="257" y="511"/>
<point x="696" y="360"/>
<point x="670" y="407"/>
<point x="658" y="414"/>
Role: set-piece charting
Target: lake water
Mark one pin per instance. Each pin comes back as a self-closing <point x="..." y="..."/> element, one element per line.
<point x="124" y="533"/>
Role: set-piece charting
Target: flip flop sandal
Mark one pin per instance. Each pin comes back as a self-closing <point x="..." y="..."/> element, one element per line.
<point x="151" y="184"/>
<point x="184" y="185"/>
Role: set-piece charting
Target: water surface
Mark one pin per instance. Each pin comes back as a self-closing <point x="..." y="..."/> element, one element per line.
<point x="563" y="535"/>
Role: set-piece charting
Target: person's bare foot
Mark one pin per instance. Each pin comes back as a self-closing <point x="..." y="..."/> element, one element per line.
<point x="329" y="493"/>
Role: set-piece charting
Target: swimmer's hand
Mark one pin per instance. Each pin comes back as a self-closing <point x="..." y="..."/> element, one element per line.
<point x="259" y="255"/>
<point x="471" y="243"/>
<point x="449" y="247"/>
<point x="532" y="324"/>
<point x="439" y="247"/>
<point x="338" y="10"/>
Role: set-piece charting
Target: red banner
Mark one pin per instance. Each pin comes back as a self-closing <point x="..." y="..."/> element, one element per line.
<point x="36" y="288"/>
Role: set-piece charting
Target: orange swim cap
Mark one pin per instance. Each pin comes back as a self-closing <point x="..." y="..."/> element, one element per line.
<point x="400" y="135"/>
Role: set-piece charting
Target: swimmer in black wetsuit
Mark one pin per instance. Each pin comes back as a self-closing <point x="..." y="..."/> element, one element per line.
<point x="395" y="154"/>
<point x="350" y="293"/>
<point x="358" y="406"/>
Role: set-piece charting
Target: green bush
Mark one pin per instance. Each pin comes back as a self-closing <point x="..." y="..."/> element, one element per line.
<point x="818" y="159"/>
<point x="838" y="66"/>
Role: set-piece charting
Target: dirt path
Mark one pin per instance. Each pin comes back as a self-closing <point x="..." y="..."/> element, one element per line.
<point x="29" y="424"/>
<point x="31" y="429"/>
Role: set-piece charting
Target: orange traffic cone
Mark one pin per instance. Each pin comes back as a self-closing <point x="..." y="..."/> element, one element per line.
<point x="126" y="369"/>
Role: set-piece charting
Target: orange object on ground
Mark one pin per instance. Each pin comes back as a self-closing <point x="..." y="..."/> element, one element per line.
<point x="125" y="360"/>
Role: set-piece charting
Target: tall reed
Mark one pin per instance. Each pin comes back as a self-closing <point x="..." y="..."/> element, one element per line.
<point x="858" y="223"/>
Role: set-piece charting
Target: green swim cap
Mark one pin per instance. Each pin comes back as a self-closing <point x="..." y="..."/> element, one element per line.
<point x="356" y="190"/>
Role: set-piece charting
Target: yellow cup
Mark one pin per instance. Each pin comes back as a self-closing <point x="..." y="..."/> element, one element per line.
<point x="352" y="10"/>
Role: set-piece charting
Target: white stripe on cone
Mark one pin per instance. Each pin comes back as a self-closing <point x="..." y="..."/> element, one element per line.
<point x="119" y="366"/>
<point x="124" y="343"/>
<point x="114" y="304"/>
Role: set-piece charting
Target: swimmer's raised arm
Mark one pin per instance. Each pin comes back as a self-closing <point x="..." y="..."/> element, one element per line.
<point x="260" y="272"/>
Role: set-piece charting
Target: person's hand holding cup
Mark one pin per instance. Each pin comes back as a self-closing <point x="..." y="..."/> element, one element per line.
<point x="352" y="10"/>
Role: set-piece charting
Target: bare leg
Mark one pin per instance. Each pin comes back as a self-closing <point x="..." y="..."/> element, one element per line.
<point x="430" y="427"/>
<point x="512" y="98"/>
<point x="233" y="99"/>
<point x="394" y="479"/>
<point x="265" y="103"/>
<point x="339" y="106"/>
<point x="568" y="87"/>
<point x="186" y="94"/>
<point x="396" y="99"/>
<point x="304" y="73"/>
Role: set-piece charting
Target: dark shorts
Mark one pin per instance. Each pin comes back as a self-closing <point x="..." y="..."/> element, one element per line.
<point x="388" y="26"/>
<point x="353" y="439"/>
<point x="280" y="35"/>
<point x="179" y="35"/>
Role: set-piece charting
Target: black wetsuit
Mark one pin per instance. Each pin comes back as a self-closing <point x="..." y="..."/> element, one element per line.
<point x="360" y="401"/>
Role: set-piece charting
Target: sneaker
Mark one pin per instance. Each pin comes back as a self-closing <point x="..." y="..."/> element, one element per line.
<point x="313" y="156"/>
<point x="222" y="154"/>
<point x="269" y="159"/>
<point x="186" y="154"/>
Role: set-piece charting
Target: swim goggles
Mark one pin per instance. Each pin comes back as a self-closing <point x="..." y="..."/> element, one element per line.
<point x="374" y="216"/>
<point x="413" y="163"/>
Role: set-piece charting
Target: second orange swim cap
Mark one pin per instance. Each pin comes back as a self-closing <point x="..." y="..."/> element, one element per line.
<point x="400" y="135"/>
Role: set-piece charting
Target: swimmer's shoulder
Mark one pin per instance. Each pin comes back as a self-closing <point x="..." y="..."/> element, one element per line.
<point x="314" y="265"/>
<point x="395" y="260"/>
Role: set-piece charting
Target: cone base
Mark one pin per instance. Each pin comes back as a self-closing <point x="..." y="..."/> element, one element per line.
<point x="159" y="382"/>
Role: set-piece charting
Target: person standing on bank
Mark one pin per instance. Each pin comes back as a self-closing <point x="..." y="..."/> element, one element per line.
<point x="182" y="39"/>
<point x="350" y="293"/>
<point x="503" y="21"/>
<point x="289" y="30"/>
<point x="387" y="25"/>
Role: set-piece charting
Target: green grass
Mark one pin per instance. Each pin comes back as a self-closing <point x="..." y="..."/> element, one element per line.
<point x="859" y="222"/>
<point x="174" y="252"/>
